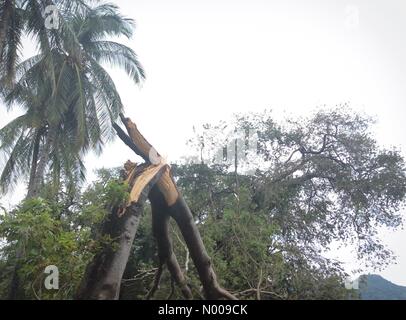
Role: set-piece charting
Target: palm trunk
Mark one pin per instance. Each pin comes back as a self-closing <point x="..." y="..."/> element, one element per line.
<point x="34" y="164"/>
<point x="39" y="174"/>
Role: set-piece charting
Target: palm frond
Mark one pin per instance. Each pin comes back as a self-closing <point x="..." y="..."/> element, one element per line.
<point x="10" y="132"/>
<point x="16" y="165"/>
<point x="117" y="55"/>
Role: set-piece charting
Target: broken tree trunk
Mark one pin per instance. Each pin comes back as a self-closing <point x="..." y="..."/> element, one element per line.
<point x="160" y="228"/>
<point x="103" y="275"/>
<point x="176" y="207"/>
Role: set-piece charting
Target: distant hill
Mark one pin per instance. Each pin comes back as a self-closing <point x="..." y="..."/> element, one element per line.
<point x="374" y="287"/>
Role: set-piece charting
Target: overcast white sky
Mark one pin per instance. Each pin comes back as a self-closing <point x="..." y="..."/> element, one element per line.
<point x="206" y="59"/>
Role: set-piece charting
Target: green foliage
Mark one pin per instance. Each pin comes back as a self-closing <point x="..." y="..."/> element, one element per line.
<point x="266" y="233"/>
<point x="322" y="178"/>
<point x="315" y="181"/>
<point x="45" y="240"/>
<point x="64" y="233"/>
<point x="70" y="100"/>
<point x="116" y="194"/>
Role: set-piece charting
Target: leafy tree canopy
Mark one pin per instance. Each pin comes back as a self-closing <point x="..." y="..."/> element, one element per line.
<point x="266" y="219"/>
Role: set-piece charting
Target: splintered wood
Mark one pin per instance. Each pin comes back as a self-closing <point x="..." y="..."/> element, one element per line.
<point x="146" y="150"/>
<point x="142" y="144"/>
<point x="139" y="178"/>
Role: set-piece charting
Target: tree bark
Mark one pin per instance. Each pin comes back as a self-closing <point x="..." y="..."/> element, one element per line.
<point x="103" y="275"/>
<point x="183" y="217"/>
<point x="34" y="163"/>
<point x="160" y="228"/>
<point x="38" y="178"/>
<point x="14" y="287"/>
<point x="179" y="210"/>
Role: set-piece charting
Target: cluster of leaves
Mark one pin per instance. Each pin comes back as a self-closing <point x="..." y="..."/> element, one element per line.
<point x="43" y="239"/>
<point x="312" y="182"/>
<point x="69" y="99"/>
<point x="322" y="178"/>
<point x="64" y="232"/>
<point x="244" y="245"/>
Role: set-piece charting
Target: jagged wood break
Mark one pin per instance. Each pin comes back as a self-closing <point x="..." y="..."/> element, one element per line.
<point x="103" y="276"/>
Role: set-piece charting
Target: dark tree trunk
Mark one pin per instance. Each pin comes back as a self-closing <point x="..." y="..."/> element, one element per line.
<point x="38" y="178"/>
<point x="14" y="286"/>
<point x="177" y="208"/>
<point x="184" y="218"/>
<point x="160" y="228"/>
<point x="34" y="163"/>
<point x="103" y="275"/>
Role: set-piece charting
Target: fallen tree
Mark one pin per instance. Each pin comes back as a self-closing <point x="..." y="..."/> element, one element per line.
<point x="153" y="180"/>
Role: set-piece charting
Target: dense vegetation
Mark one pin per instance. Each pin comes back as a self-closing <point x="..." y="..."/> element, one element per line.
<point x="266" y="240"/>
<point x="267" y="211"/>
<point x="240" y="244"/>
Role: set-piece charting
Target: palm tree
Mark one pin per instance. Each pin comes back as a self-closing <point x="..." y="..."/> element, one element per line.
<point x="11" y="29"/>
<point x="71" y="111"/>
<point x="26" y="17"/>
<point x="70" y="101"/>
